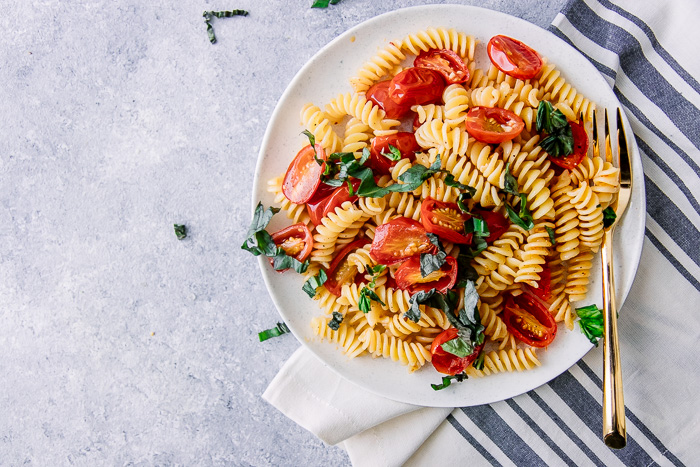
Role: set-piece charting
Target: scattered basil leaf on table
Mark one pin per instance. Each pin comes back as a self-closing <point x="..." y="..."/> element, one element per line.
<point x="219" y="14"/>
<point x="278" y="330"/>
<point x="180" y="231"/>
<point x="591" y="322"/>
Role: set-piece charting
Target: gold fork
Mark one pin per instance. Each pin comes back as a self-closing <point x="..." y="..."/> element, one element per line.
<point x="614" y="430"/>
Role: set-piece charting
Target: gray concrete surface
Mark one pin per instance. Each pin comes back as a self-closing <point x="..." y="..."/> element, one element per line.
<point x="119" y="344"/>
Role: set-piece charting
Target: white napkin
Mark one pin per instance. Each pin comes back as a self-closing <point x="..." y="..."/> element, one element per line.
<point x="649" y="54"/>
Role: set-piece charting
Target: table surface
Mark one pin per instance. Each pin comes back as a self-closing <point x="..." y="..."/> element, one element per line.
<point x="120" y="344"/>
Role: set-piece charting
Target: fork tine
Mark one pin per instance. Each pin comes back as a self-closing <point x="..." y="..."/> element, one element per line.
<point x="623" y="151"/>
<point x="608" y="145"/>
<point x="596" y="148"/>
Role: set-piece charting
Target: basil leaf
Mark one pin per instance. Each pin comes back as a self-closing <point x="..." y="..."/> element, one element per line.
<point x="471" y="297"/>
<point x="450" y="181"/>
<point x="431" y="262"/>
<point x="465" y="270"/>
<point x="477" y="226"/>
<point x="219" y="14"/>
<point x="560" y="143"/>
<point x="261" y="218"/>
<point x="479" y="362"/>
<point x="282" y="261"/>
<point x="524" y="218"/>
<point x="458" y="347"/>
<point x="314" y="283"/>
<point x="180" y="231"/>
<point x="324" y="3"/>
<point x="278" y="330"/>
<point x="559" y="121"/>
<point x="609" y="217"/>
<point x="447" y="380"/>
<point x="366" y="295"/>
<point x="544" y="116"/>
<point x="412" y="178"/>
<point x="378" y="269"/>
<point x="550" y="232"/>
<point x="510" y="184"/>
<point x="463" y="197"/>
<point x="334" y="323"/>
<point x="394" y="154"/>
<point x="416" y="299"/>
<point x="591" y="322"/>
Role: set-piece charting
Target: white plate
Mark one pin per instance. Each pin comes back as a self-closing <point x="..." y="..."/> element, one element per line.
<point x="326" y="75"/>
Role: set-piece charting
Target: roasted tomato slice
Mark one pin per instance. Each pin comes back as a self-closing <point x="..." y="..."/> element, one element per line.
<point x="544" y="285"/>
<point x="319" y="206"/>
<point x="445" y="220"/>
<point x="497" y="223"/>
<point x="580" y="148"/>
<point x="493" y="125"/>
<point x="446" y="62"/>
<point x="403" y="141"/>
<point x="398" y="240"/>
<point x="445" y="362"/>
<point x="416" y="86"/>
<point x="303" y="175"/>
<point x="379" y="94"/>
<point x="408" y="276"/>
<point x="528" y="320"/>
<point x="340" y="270"/>
<point x="296" y="241"/>
<point x="513" y="57"/>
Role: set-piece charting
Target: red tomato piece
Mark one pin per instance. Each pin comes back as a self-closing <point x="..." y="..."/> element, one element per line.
<point x="493" y="125"/>
<point x="403" y="141"/>
<point x="379" y="94"/>
<point x="398" y="240"/>
<point x="296" y="241"/>
<point x="446" y="62"/>
<point x="303" y="175"/>
<point x="340" y="271"/>
<point x="514" y="58"/>
<point x="408" y="276"/>
<point x="544" y="285"/>
<point x="528" y="320"/>
<point x="445" y="220"/>
<point x="497" y="223"/>
<point x="580" y="148"/>
<point x="416" y="86"/>
<point x="445" y="362"/>
<point x="327" y="200"/>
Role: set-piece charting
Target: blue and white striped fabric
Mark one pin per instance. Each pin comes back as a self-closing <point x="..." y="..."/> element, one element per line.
<point x="646" y="50"/>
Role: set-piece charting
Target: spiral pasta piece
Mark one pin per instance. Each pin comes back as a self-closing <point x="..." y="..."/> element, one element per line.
<point x="386" y="60"/>
<point x="464" y="172"/>
<point x="428" y="113"/>
<point x="357" y="136"/>
<point x="329" y="302"/>
<point x="395" y="300"/>
<point x="435" y="187"/>
<point x="345" y="336"/>
<point x="440" y="38"/>
<point x="361" y="259"/>
<point x="405" y="204"/>
<point x="296" y="212"/>
<point x="494" y="326"/>
<point x="383" y="344"/>
<point x="530" y="178"/>
<point x="578" y="276"/>
<point x="346" y="220"/>
<point x="456" y="99"/>
<point x="533" y="255"/>
<point x="551" y="81"/>
<point x="316" y="121"/>
<point x="360" y="108"/>
<point x="486" y="96"/>
<point x="590" y="214"/>
<point x="566" y="219"/>
<point x="437" y="134"/>
<point x="562" y="311"/>
<point x="506" y="360"/>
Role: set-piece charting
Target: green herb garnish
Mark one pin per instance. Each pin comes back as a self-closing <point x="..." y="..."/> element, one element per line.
<point x="450" y="181"/>
<point x="479" y="362"/>
<point x="550" y="232"/>
<point x="312" y="142"/>
<point x="609" y="217"/>
<point x="523" y="218"/>
<point x="591" y="322"/>
<point x="334" y="323"/>
<point x="180" y="231"/>
<point x="278" y="330"/>
<point x="219" y="14"/>
<point x="430" y="262"/>
<point x="394" y="154"/>
<point x="259" y="242"/>
<point x="560" y="139"/>
<point x="367" y="294"/>
<point x="447" y="380"/>
<point x="470" y="331"/>
<point x="313" y="283"/>
<point x="510" y="183"/>
<point x="324" y="3"/>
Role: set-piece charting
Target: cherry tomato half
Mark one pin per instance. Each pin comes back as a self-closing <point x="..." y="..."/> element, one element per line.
<point x="446" y="62"/>
<point x="303" y="175"/>
<point x="544" y="285"/>
<point x="296" y="241"/>
<point x="445" y="220"/>
<point x="580" y="148"/>
<point x="445" y="362"/>
<point x="403" y="141"/>
<point x="513" y="57"/>
<point x="493" y="125"/>
<point x="416" y="86"/>
<point x="408" y="276"/>
<point x="328" y="198"/>
<point x="340" y="271"/>
<point x="528" y="320"/>
<point x="497" y="223"/>
<point x="379" y="94"/>
<point x="398" y="240"/>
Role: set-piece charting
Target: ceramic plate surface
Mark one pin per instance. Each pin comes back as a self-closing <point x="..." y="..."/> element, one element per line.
<point x="324" y="77"/>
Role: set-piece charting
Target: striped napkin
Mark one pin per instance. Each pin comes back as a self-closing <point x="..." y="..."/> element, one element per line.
<point x="647" y="51"/>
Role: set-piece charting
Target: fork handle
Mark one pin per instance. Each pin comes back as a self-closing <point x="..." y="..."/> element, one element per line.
<point x="614" y="430"/>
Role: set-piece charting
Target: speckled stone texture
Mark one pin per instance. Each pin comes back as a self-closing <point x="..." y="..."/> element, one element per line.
<point x="119" y="344"/>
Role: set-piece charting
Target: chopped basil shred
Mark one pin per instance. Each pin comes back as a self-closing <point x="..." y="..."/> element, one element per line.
<point x="609" y="217"/>
<point x="219" y="14"/>
<point x="470" y="331"/>
<point x="510" y="183"/>
<point x="259" y="242"/>
<point x="393" y="155"/>
<point x="450" y="181"/>
<point x="550" y="232"/>
<point x="591" y="322"/>
<point x="560" y="139"/>
<point x="324" y="3"/>
<point x="523" y="218"/>
<point x="334" y="323"/>
<point x="430" y="262"/>
<point x="479" y="362"/>
<point x="313" y="283"/>
<point x="312" y="142"/>
<point x="367" y="294"/>
<point x="180" y="231"/>
<point x="278" y="330"/>
<point x="447" y="380"/>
